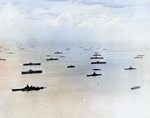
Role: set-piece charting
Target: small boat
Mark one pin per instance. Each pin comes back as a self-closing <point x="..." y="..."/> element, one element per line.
<point x="2" y="59"/>
<point x="31" y="64"/>
<point x="98" y="62"/>
<point x="50" y="59"/>
<point x="58" y="53"/>
<point x="62" y="56"/>
<point x="67" y="49"/>
<point x="48" y="55"/>
<point x="21" y="48"/>
<point x="138" y="57"/>
<point x="71" y="66"/>
<point x="130" y="68"/>
<point x="29" y="88"/>
<point x="96" y="52"/>
<point x="96" y="69"/>
<point x="97" y="57"/>
<point x="94" y="74"/>
<point x="135" y="87"/>
<point x="87" y="49"/>
<point x="10" y="53"/>
<point x="31" y="71"/>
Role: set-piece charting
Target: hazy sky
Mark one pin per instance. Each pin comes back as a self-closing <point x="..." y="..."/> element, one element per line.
<point x="115" y="21"/>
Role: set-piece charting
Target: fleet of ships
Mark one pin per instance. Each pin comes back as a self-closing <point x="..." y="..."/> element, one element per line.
<point x="96" y="56"/>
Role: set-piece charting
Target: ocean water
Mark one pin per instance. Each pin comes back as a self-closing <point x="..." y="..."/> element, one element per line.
<point x="70" y="93"/>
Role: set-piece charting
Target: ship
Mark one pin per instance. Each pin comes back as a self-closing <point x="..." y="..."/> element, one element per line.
<point x="29" y="88"/>
<point x="98" y="62"/>
<point x="96" y="69"/>
<point x="57" y="52"/>
<point x="135" y="87"/>
<point x="71" y="66"/>
<point x="94" y="74"/>
<point x="31" y="64"/>
<point x="97" y="57"/>
<point x="138" y="57"/>
<point x="21" y="48"/>
<point x="31" y="71"/>
<point x="130" y="68"/>
<point x="10" y="53"/>
<point x="50" y="59"/>
<point x="2" y="59"/>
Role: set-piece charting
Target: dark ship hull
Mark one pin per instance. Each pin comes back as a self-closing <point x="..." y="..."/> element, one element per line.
<point x="27" y="88"/>
<point x="58" y="53"/>
<point x="2" y="59"/>
<point x="32" y="72"/>
<point x="94" y="75"/>
<point x="97" y="55"/>
<point x="71" y="66"/>
<point x="135" y="87"/>
<point x="96" y="69"/>
<point x="51" y="59"/>
<point x="138" y="57"/>
<point x="130" y="68"/>
<point x="97" y="58"/>
<point x="97" y="62"/>
<point x="31" y="64"/>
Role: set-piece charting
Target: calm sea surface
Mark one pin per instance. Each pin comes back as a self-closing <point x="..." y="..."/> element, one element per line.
<point x="70" y="93"/>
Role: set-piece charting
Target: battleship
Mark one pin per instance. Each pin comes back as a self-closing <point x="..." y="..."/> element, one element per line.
<point x="29" y="88"/>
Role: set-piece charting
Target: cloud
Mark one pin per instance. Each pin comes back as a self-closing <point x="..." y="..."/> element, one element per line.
<point x="10" y="21"/>
<point x="75" y="21"/>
